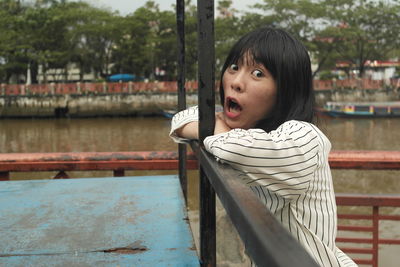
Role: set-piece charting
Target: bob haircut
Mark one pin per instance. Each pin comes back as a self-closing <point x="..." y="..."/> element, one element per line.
<point x="289" y="64"/>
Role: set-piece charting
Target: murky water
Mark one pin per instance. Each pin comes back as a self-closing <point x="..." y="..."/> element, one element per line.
<point x="83" y="135"/>
<point x="151" y="133"/>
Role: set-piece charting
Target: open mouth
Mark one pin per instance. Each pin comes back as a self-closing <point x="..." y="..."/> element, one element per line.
<point x="233" y="108"/>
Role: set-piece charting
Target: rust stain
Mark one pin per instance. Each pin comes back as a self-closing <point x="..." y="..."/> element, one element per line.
<point x="133" y="248"/>
<point x="61" y="175"/>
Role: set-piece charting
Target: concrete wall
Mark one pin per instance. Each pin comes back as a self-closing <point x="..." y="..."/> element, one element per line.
<point x="356" y="95"/>
<point x="89" y="105"/>
<point x="143" y="103"/>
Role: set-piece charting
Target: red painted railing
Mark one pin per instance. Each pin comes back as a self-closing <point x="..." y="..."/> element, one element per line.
<point x="90" y="161"/>
<point x="164" y="160"/>
<point x="118" y="162"/>
<point x="165" y="86"/>
<point x="370" y="225"/>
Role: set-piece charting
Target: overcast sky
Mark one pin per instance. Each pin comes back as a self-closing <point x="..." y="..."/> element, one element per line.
<point x="128" y="6"/>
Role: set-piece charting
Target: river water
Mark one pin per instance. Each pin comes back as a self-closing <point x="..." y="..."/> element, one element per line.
<point x="151" y="133"/>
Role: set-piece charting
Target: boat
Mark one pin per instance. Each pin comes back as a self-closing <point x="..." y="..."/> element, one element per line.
<point x="168" y="113"/>
<point x="361" y="109"/>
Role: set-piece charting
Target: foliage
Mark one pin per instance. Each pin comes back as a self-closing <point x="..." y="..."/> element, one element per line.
<point x="364" y="30"/>
<point x="349" y="30"/>
<point x="49" y="34"/>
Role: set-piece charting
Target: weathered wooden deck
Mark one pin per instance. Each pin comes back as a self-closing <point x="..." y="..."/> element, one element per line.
<point x="130" y="221"/>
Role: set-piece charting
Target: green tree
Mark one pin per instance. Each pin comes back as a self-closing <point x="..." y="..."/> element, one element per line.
<point x="148" y="43"/>
<point x="364" y="30"/>
<point x="332" y="30"/>
<point x="77" y="17"/>
<point x="12" y="58"/>
<point x="93" y="33"/>
<point x="302" y="18"/>
<point x="226" y="32"/>
<point x="191" y="40"/>
<point x="135" y="52"/>
<point x="166" y="53"/>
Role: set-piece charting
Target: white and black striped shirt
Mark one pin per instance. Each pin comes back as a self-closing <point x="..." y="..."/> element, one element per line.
<point x="288" y="170"/>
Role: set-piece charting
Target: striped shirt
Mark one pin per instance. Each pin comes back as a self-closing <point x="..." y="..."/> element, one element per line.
<point x="288" y="170"/>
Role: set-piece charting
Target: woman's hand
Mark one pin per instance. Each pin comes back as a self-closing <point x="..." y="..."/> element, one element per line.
<point x="220" y="124"/>
<point x="191" y="130"/>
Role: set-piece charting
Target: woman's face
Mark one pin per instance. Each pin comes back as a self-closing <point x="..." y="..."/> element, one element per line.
<point x="250" y="93"/>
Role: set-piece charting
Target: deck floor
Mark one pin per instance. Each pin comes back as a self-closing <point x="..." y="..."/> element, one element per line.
<point x="129" y="221"/>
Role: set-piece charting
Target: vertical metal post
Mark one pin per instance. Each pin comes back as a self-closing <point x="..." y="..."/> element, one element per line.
<point x="206" y="98"/>
<point x="180" y="23"/>
<point x="375" y="235"/>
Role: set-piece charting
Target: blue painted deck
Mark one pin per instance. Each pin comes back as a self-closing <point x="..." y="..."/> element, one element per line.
<point x="129" y="221"/>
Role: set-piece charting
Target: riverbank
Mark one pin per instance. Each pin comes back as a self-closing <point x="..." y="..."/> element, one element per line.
<point x="138" y="99"/>
<point x="96" y="105"/>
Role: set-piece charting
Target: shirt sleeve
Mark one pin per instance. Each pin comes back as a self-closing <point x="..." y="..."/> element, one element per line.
<point x="180" y="119"/>
<point x="283" y="160"/>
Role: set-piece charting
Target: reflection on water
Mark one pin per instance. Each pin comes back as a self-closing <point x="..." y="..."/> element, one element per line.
<point x="151" y="133"/>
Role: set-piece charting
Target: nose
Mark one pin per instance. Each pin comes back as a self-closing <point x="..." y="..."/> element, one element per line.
<point x="238" y="81"/>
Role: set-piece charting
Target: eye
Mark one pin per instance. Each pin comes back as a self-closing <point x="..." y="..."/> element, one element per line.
<point x="258" y="73"/>
<point x="234" y="67"/>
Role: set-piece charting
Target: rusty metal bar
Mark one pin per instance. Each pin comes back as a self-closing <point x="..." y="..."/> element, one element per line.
<point x="367" y="240"/>
<point x="354" y="240"/>
<point x="354" y="216"/>
<point x="367" y="200"/>
<point x="87" y="161"/>
<point x="375" y="236"/>
<point x="206" y="101"/>
<point x="364" y="262"/>
<point x="358" y="250"/>
<point x="389" y="241"/>
<point x="389" y="217"/>
<point x="356" y="228"/>
<point x="168" y="160"/>
<point x="180" y="25"/>
<point x="369" y="160"/>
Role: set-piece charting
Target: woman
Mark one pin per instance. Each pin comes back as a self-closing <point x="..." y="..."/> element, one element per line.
<point x="266" y="133"/>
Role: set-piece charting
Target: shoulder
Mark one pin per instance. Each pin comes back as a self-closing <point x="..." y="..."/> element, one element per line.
<point x="305" y="131"/>
<point x="292" y="146"/>
<point x="290" y="134"/>
<point x="293" y="127"/>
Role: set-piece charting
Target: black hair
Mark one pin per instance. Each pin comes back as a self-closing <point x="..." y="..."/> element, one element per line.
<point x="289" y="64"/>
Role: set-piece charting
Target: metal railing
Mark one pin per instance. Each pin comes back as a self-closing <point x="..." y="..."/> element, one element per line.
<point x="366" y="221"/>
<point x="118" y="162"/>
<point x="370" y="219"/>
<point x="226" y="187"/>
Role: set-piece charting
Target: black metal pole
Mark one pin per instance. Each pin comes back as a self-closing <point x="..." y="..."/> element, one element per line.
<point x="206" y="99"/>
<point x="180" y="23"/>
